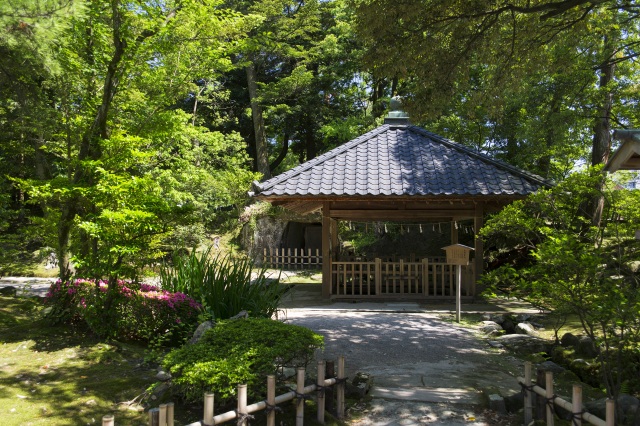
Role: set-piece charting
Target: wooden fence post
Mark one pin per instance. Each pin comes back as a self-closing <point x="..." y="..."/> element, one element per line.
<point x="329" y="394"/>
<point x="208" y="409"/>
<point x="320" y="384"/>
<point x="576" y="405"/>
<point x="540" y="412"/>
<point x="163" y="415"/>
<point x="108" y="420"/>
<point x="549" y="397"/>
<point x="341" y="386"/>
<point x="170" y="413"/>
<point x="611" y="412"/>
<point x="271" y="400"/>
<point x="528" y="395"/>
<point x="299" y="394"/>
<point x="154" y="417"/>
<point x="242" y="405"/>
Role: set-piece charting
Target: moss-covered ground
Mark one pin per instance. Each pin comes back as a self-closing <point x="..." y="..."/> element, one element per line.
<point x="63" y="375"/>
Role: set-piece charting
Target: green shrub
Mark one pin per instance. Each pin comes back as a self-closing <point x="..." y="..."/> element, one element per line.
<point x="139" y="312"/>
<point x="224" y="286"/>
<point x="239" y="352"/>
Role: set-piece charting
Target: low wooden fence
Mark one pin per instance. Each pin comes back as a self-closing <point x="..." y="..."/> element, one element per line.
<point x="164" y="414"/>
<point x="546" y="401"/>
<point x="287" y="258"/>
<point x="380" y="278"/>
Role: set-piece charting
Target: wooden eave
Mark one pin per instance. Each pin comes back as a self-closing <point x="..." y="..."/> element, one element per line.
<point x="393" y="208"/>
<point x="627" y="157"/>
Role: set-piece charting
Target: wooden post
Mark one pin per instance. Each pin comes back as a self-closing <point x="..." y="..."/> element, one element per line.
<point x="154" y="417"/>
<point x="329" y="395"/>
<point x="478" y="246"/>
<point x="378" y="274"/>
<point x="341" y="386"/>
<point x="208" y="409"/>
<point x="320" y="384"/>
<point x="549" y="395"/>
<point x="425" y="276"/>
<point x="300" y="391"/>
<point x="458" y="290"/>
<point x="611" y="412"/>
<point x="326" y="252"/>
<point x="163" y="414"/>
<point x="528" y="395"/>
<point x="576" y="405"/>
<point x="242" y="405"/>
<point x="108" y="420"/>
<point x="170" y="414"/>
<point x="540" y="404"/>
<point x="271" y="399"/>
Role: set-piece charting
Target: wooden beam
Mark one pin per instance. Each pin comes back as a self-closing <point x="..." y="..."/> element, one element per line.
<point x="400" y="215"/>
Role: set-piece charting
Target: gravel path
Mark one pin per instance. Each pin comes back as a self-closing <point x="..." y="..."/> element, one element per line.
<point x="425" y="370"/>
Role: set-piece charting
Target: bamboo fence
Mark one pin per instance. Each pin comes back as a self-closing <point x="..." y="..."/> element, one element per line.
<point x="164" y="414"/>
<point x="547" y="401"/>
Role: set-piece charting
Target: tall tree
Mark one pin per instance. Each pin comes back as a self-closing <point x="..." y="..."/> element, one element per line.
<point x="436" y="47"/>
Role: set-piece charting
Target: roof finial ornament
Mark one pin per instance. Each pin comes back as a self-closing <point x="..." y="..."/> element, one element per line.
<point x="396" y="116"/>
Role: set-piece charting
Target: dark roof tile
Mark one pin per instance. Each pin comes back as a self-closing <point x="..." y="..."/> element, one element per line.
<point x="393" y="160"/>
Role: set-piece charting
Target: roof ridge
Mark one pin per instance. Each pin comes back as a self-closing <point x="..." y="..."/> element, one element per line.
<point x="301" y="168"/>
<point x="481" y="156"/>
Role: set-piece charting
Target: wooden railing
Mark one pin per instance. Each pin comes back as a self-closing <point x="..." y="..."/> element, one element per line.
<point x="398" y="279"/>
<point x="287" y="258"/>
<point x="323" y="390"/>
<point x="543" y="407"/>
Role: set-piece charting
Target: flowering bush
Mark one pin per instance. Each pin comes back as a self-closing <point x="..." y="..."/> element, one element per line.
<point x="129" y="310"/>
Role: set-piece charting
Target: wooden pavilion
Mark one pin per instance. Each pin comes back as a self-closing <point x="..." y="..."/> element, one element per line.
<point x="398" y="173"/>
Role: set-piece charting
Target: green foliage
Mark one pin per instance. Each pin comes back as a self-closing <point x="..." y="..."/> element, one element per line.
<point x="139" y="312"/>
<point x="575" y="266"/>
<point x="239" y="352"/>
<point x="223" y="285"/>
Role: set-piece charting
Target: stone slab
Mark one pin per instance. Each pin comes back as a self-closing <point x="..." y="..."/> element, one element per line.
<point x="449" y="395"/>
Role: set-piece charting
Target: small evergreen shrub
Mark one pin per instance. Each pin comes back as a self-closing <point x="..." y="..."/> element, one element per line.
<point x="239" y="352"/>
<point x="135" y="311"/>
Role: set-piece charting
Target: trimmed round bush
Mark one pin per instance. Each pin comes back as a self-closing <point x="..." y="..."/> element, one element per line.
<point x="239" y="352"/>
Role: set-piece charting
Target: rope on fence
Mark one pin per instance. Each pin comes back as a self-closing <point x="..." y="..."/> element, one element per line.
<point x="525" y="387"/>
<point x="551" y="402"/>
<point x="301" y="396"/>
<point x="270" y="408"/>
<point x="242" y="417"/>
<point x="577" y="416"/>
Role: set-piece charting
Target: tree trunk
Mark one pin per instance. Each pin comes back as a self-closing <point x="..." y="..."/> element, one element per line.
<point x="283" y="152"/>
<point x="601" y="147"/>
<point x="90" y="144"/>
<point x="262" y="157"/>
